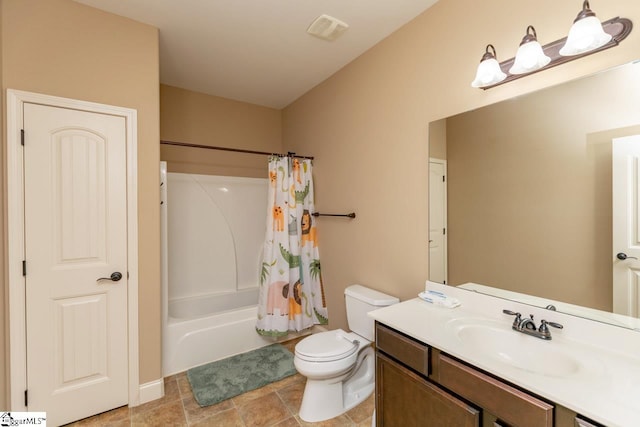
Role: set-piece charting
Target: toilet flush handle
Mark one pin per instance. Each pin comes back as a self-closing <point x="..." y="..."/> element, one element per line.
<point x="354" y="342"/>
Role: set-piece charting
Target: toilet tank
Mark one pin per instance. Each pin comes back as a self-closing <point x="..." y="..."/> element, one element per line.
<point x="360" y="300"/>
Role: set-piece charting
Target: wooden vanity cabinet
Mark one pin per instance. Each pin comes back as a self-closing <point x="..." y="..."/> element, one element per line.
<point x="417" y="385"/>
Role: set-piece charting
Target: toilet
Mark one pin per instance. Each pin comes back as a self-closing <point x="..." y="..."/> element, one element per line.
<point x="339" y="365"/>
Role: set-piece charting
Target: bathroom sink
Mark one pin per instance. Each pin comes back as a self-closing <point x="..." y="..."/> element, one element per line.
<point x="500" y="343"/>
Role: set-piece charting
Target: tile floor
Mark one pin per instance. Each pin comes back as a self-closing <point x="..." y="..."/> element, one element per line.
<point x="276" y="404"/>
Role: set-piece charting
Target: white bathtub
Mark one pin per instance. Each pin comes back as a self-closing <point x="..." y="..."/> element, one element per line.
<point x="204" y="306"/>
<point x="193" y="338"/>
<point x="212" y="233"/>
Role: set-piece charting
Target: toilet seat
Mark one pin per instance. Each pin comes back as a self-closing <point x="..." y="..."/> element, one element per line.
<point x="328" y="346"/>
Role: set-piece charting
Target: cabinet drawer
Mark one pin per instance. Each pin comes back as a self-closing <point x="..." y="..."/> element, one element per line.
<point x="412" y="353"/>
<point x="509" y="404"/>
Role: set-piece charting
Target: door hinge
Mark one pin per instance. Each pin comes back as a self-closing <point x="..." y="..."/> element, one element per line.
<point x="24" y="268"/>
<point x="444" y="231"/>
<point x="26" y="398"/>
<point x="443" y="178"/>
<point x="22" y="137"/>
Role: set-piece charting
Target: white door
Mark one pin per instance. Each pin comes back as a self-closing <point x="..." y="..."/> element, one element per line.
<point x="437" y="221"/>
<point x="626" y="225"/>
<point x="75" y="193"/>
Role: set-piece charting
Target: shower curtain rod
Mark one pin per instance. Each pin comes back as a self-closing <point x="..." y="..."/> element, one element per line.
<point x="235" y="150"/>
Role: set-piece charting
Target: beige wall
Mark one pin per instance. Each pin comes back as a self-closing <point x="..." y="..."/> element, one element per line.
<point x="367" y="128"/>
<point x="63" y="48"/>
<point x="529" y="189"/>
<point x="196" y="118"/>
<point x="438" y="139"/>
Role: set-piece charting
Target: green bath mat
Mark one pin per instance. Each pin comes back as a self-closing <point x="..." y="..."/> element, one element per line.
<point x="226" y="378"/>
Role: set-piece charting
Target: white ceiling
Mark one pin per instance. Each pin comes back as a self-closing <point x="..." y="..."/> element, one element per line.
<point x="258" y="51"/>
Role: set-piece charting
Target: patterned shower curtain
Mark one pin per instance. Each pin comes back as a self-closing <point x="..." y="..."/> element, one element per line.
<point x="291" y="291"/>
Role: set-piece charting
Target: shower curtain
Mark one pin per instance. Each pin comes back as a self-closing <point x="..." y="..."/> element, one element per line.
<point x="291" y="291"/>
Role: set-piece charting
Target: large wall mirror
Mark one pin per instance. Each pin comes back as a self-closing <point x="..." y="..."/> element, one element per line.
<point x="527" y="203"/>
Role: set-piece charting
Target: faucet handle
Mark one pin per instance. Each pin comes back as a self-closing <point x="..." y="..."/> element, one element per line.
<point x="516" y="321"/>
<point x="543" y="326"/>
<point x="554" y="324"/>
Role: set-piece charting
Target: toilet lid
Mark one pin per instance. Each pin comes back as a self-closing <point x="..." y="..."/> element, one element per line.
<point x="326" y="346"/>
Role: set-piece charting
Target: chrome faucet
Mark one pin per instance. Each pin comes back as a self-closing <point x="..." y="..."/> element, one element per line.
<point x="528" y="326"/>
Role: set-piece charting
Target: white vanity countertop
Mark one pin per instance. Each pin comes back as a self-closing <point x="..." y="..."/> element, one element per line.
<point x="606" y="388"/>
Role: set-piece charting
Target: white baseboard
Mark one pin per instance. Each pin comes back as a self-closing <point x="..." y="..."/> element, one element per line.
<point x="151" y="391"/>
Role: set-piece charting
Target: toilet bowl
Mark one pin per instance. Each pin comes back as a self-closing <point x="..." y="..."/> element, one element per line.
<point x="339" y="365"/>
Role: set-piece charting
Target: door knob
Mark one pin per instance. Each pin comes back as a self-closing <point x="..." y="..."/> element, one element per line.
<point x="115" y="277"/>
<point x="622" y="256"/>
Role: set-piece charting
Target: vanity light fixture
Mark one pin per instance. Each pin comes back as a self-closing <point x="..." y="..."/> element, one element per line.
<point x="489" y="71"/>
<point x="530" y="55"/>
<point x="586" y="36"/>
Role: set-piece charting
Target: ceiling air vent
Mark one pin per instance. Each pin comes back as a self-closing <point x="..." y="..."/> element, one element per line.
<point x="327" y="27"/>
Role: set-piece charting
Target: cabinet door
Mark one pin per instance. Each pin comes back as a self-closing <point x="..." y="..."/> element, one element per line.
<point x="406" y="399"/>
